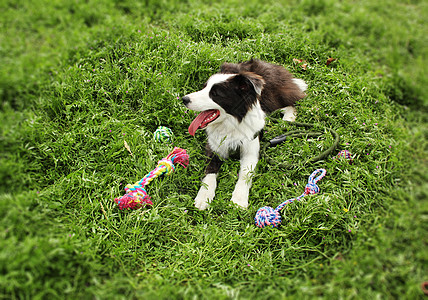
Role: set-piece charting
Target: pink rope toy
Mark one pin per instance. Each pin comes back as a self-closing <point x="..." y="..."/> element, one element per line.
<point x="136" y="195"/>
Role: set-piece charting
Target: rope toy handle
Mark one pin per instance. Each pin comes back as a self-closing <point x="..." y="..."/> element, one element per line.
<point x="267" y="216"/>
<point x="312" y="187"/>
<point x="136" y="195"/>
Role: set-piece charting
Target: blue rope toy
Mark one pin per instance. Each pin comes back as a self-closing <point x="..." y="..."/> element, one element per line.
<point x="266" y="215"/>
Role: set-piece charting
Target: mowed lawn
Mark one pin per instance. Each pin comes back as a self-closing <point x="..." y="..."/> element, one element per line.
<point x="79" y="79"/>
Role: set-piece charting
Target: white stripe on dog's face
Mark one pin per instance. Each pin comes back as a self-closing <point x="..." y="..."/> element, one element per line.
<point x="201" y="101"/>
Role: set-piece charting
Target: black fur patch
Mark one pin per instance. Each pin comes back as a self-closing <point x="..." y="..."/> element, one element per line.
<point x="279" y="90"/>
<point x="235" y="95"/>
<point x="213" y="160"/>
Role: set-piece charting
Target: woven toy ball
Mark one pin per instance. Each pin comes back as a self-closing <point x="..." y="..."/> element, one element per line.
<point x="345" y="154"/>
<point x="163" y="134"/>
<point x="267" y="216"/>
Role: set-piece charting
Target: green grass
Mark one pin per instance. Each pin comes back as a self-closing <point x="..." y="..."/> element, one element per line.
<point x="79" y="78"/>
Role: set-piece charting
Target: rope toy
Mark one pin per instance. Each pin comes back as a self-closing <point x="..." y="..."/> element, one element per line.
<point x="266" y="215"/>
<point x="136" y="195"/>
<point x="345" y="154"/>
<point x="163" y="134"/>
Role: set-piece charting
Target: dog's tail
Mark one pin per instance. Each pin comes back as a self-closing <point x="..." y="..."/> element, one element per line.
<point x="303" y="86"/>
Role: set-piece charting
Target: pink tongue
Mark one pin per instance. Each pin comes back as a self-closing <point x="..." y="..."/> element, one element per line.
<point x="198" y="121"/>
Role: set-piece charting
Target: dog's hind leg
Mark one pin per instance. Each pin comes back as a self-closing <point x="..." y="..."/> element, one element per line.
<point x="289" y="113"/>
<point x="209" y="183"/>
<point x="249" y="160"/>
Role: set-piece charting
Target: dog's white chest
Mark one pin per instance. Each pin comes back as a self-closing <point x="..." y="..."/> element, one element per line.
<point x="228" y="134"/>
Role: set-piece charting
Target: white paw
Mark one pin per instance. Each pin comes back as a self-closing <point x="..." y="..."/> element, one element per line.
<point x="203" y="199"/>
<point x="206" y="192"/>
<point x="240" y="197"/>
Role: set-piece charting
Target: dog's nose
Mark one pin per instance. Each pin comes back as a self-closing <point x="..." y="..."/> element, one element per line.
<point x="186" y="100"/>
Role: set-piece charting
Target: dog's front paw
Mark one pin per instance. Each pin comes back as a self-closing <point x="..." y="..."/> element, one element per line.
<point x="202" y="202"/>
<point x="240" y="198"/>
<point x="204" y="197"/>
<point x="206" y="192"/>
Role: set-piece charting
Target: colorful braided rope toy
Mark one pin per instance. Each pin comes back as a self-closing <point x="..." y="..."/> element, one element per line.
<point x="345" y="154"/>
<point x="267" y="216"/>
<point x="163" y="134"/>
<point x="136" y="195"/>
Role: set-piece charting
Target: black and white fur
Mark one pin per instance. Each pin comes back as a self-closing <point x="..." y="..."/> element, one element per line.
<point x="243" y="94"/>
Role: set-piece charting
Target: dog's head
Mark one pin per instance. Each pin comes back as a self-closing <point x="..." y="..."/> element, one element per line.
<point x="224" y="94"/>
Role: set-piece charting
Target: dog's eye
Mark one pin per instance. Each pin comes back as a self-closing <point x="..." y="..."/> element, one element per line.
<point x="216" y="91"/>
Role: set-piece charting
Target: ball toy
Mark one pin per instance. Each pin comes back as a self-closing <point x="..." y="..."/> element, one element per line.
<point x="136" y="194"/>
<point x="267" y="216"/>
<point x="345" y="154"/>
<point x="163" y="134"/>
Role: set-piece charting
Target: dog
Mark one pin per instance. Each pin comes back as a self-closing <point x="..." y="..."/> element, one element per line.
<point x="233" y="105"/>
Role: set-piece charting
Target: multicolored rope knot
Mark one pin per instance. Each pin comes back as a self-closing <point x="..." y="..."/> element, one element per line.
<point x="136" y="195"/>
<point x="267" y="216"/>
<point x="345" y="154"/>
<point x="163" y="134"/>
<point x="312" y="187"/>
<point x="168" y="164"/>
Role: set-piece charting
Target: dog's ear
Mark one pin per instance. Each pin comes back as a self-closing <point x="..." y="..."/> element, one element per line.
<point x="249" y="80"/>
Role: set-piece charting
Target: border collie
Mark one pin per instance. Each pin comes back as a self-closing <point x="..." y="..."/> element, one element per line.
<point x="233" y="106"/>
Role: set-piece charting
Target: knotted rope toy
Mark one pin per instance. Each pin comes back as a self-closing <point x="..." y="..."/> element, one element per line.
<point x="345" y="154"/>
<point x="267" y="216"/>
<point x="136" y="194"/>
<point x="163" y="134"/>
